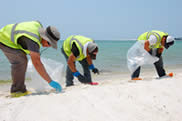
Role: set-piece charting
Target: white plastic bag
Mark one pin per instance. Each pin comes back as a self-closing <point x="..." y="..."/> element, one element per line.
<point x="53" y="68"/>
<point x="138" y="56"/>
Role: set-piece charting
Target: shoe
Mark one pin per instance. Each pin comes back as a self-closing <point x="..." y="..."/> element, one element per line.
<point x="19" y="94"/>
<point x="68" y="85"/>
<point x="170" y="74"/>
<point x="93" y="83"/>
<point x="136" y="78"/>
<point x="166" y="76"/>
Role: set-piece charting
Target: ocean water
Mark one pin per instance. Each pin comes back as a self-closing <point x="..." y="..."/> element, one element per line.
<point x="111" y="58"/>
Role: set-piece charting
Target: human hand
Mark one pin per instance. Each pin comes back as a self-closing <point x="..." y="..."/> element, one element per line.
<point x="76" y="74"/>
<point x="55" y="85"/>
<point x="81" y="78"/>
<point x="158" y="55"/>
<point x="159" y="52"/>
<point x="94" y="70"/>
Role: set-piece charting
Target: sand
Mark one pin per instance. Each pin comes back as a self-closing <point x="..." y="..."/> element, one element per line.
<point x="114" y="99"/>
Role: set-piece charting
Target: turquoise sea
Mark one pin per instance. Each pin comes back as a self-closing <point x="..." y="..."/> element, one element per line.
<point x="110" y="59"/>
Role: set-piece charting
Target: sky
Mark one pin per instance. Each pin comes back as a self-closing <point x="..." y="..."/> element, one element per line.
<point x="98" y="19"/>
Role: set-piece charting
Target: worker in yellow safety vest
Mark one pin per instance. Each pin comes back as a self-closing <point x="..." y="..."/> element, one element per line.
<point x="25" y="38"/>
<point x="81" y="49"/>
<point x="155" y="42"/>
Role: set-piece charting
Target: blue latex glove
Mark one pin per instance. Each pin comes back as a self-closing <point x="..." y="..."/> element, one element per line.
<point x="76" y="74"/>
<point x="94" y="70"/>
<point x="91" y="66"/>
<point x="55" y="85"/>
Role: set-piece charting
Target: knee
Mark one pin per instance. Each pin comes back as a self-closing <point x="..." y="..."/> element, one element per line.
<point x="23" y="61"/>
<point x="20" y="62"/>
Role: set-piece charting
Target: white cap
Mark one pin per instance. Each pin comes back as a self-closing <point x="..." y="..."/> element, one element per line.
<point x="91" y="47"/>
<point x="169" y="39"/>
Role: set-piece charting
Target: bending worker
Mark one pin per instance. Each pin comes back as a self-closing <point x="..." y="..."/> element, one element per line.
<point x="84" y="50"/>
<point x="20" y="39"/>
<point x="155" y="42"/>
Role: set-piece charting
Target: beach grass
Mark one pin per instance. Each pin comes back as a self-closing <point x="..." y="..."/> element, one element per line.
<point x="9" y="81"/>
<point x="5" y="81"/>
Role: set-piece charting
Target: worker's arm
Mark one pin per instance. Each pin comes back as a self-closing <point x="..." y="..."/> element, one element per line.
<point x="89" y="60"/>
<point x="71" y="61"/>
<point x="33" y="47"/>
<point x="160" y="50"/>
<point x="76" y="73"/>
<point x="91" y="65"/>
<point x="146" y="45"/>
<point x="35" y="57"/>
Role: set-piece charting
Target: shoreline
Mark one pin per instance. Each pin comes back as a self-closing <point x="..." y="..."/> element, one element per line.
<point x="104" y="74"/>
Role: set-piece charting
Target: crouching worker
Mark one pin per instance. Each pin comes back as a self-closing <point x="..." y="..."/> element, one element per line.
<point x="155" y="42"/>
<point x="84" y="50"/>
<point x="21" y="39"/>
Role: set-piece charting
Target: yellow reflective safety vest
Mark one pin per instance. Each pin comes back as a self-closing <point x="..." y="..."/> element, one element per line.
<point x="10" y="33"/>
<point x="80" y="41"/>
<point x="159" y="35"/>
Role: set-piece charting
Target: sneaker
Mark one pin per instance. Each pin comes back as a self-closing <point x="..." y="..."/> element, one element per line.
<point x="68" y="85"/>
<point x="170" y="74"/>
<point x="136" y="78"/>
<point x="19" y="94"/>
<point x="93" y="83"/>
<point x="167" y="76"/>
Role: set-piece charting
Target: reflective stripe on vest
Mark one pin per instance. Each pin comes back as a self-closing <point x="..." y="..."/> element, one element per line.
<point x="154" y="35"/>
<point x="13" y="32"/>
<point x="157" y="35"/>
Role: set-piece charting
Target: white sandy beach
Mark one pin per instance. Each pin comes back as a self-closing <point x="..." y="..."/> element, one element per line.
<point x="115" y="99"/>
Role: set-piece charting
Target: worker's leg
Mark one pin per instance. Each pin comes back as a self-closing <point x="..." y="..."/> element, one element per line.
<point x="69" y="75"/>
<point x="18" y="61"/>
<point x="159" y="67"/>
<point x="136" y="73"/>
<point x="86" y="70"/>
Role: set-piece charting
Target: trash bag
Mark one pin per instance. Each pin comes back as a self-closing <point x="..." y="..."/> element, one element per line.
<point x="138" y="56"/>
<point x="53" y="68"/>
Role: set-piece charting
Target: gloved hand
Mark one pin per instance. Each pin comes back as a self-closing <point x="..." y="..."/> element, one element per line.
<point x="158" y="55"/>
<point x="94" y="70"/>
<point x="81" y="78"/>
<point x="159" y="52"/>
<point x="55" y="85"/>
<point x="76" y="74"/>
